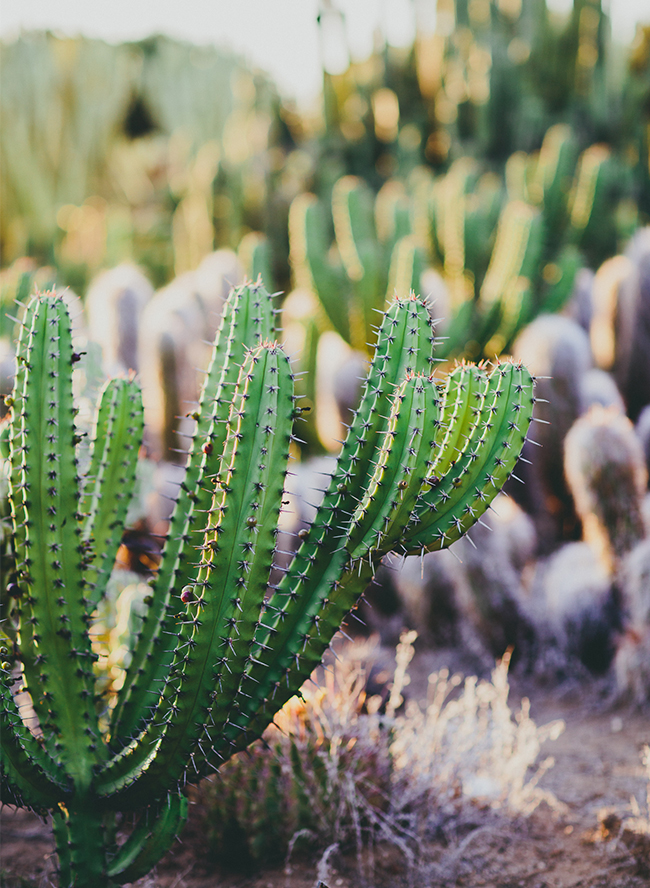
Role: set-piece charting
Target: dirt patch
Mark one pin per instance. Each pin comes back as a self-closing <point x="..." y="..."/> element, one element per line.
<point x="597" y="766"/>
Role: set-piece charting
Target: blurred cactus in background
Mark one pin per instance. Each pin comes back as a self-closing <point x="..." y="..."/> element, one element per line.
<point x="605" y="469"/>
<point x="148" y="142"/>
<point x="75" y="91"/>
<point x="496" y="253"/>
<point x="114" y="305"/>
<point x="485" y="79"/>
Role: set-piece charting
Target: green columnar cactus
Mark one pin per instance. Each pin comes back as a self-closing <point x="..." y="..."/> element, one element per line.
<point x="506" y="254"/>
<point x="507" y="287"/>
<point x="356" y="286"/>
<point x="215" y="657"/>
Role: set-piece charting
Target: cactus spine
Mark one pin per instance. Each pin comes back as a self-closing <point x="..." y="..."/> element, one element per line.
<point x="215" y="659"/>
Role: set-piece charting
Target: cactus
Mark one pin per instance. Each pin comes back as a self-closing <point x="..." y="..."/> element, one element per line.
<point x="114" y="304"/>
<point x="559" y="355"/>
<point x="215" y="658"/>
<point x="606" y="472"/>
<point x="368" y="269"/>
<point x="632" y="325"/>
<point x="575" y="611"/>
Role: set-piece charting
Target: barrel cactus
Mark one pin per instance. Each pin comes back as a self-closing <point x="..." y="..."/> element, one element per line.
<point x="220" y="650"/>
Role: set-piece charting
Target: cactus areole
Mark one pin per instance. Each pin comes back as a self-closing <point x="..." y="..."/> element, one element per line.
<point x="219" y="650"/>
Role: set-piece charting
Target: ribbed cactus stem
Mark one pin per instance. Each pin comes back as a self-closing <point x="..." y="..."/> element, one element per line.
<point x="111" y="475"/>
<point x="55" y="605"/>
<point x="400" y="470"/>
<point x="247" y="320"/>
<point x="216" y="658"/>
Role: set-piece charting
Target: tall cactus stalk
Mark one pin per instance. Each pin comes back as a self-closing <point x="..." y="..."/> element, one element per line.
<point x="216" y="656"/>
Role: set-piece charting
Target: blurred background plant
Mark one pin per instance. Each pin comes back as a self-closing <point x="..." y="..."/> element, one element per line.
<point x="151" y="152"/>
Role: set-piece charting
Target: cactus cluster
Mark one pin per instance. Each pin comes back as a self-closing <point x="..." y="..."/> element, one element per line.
<point x="215" y="657"/>
<point x="487" y="81"/>
<point x="505" y="251"/>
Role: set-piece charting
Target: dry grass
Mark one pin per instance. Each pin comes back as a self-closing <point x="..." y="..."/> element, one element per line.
<point x="344" y="769"/>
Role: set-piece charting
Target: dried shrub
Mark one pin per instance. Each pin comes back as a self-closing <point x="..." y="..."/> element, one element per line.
<point x="347" y="769"/>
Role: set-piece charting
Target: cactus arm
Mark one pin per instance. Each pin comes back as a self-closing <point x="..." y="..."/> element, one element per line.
<point x="513" y="256"/>
<point x="514" y="264"/>
<point x="482" y="208"/>
<point x="450" y="506"/>
<point x="153" y="834"/>
<point x="259" y="503"/>
<point x="216" y="632"/>
<point x="16" y="496"/>
<point x="353" y="224"/>
<point x="392" y="215"/>
<point x="406" y="266"/>
<point x="361" y="256"/>
<point x="400" y="470"/>
<point x="462" y="397"/>
<point x="50" y="497"/>
<point x="255" y="256"/>
<point x="308" y="255"/>
<point x="550" y="187"/>
<point x="80" y="844"/>
<point x="62" y="842"/>
<point x="29" y="775"/>
<point x="311" y="597"/>
<point x="586" y="192"/>
<point x="15" y="438"/>
<point x="114" y="455"/>
<point x="247" y="320"/>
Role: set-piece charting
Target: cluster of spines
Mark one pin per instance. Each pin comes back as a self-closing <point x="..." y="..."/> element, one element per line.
<point x="466" y="476"/>
<point x="54" y="609"/>
<point x="400" y="468"/>
<point x="111" y="475"/>
<point x="247" y="321"/>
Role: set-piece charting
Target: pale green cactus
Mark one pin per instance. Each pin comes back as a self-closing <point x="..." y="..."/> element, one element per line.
<point x="354" y="285"/>
<point x="215" y="658"/>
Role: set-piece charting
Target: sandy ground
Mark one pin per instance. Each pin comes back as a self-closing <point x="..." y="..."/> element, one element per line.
<point x="597" y="766"/>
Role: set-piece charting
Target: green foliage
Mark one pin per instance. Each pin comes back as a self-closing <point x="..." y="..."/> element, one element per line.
<point x="351" y="285"/>
<point x="146" y="142"/>
<point x="505" y="252"/>
<point x="215" y="658"/>
<point x="489" y="81"/>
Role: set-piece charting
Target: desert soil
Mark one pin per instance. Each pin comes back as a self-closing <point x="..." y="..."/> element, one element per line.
<point x="597" y="767"/>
